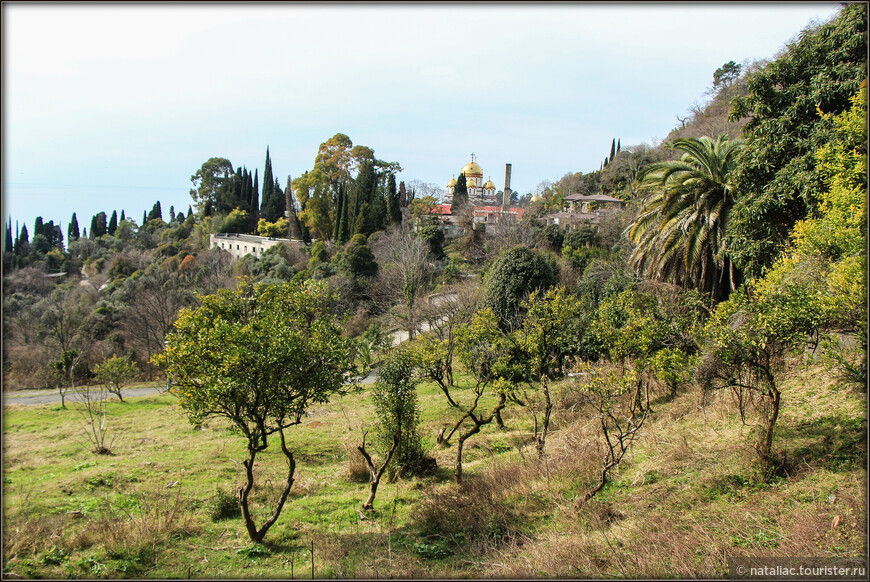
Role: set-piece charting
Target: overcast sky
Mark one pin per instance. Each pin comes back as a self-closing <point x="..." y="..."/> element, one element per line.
<point x="111" y="107"/>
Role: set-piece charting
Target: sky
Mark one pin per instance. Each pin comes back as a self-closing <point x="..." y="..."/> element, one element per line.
<point x="115" y="106"/>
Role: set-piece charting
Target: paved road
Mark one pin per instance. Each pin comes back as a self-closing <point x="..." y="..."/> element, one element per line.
<point x="50" y="395"/>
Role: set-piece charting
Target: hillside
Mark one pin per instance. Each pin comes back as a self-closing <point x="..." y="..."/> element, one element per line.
<point x="655" y="368"/>
<point x="684" y="501"/>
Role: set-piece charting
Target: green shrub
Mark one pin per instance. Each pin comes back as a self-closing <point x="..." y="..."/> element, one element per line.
<point x="223" y="505"/>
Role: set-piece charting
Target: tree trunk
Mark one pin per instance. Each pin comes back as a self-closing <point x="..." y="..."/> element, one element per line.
<point x="499" y="422"/>
<point x="375" y="474"/>
<point x="541" y="439"/>
<point x="764" y="446"/>
<point x="255" y="534"/>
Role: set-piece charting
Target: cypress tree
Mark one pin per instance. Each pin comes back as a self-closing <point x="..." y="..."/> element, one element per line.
<point x="344" y="229"/>
<point x="38" y="227"/>
<point x="22" y="243"/>
<point x="53" y="234"/>
<point x="267" y="208"/>
<point x="254" y="198"/>
<point x="605" y="163"/>
<point x="123" y="217"/>
<point x="618" y="145"/>
<point x="189" y="210"/>
<point x="7" y="239"/>
<point x="393" y="208"/>
<point x="377" y="217"/>
<point x="72" y="231"/>
<point x="257" y="192"/>
<point x="171" y="214"/>
<point x="144" y="218"/>
<point x="113" y="222"/>
<point x="339" y="208"/>
<point x="613" y="148"/>
<point x="239" y="199"/>
<point x="156" y="211"/>
<point x="460" y="193"/>
<point x="98" y="225"/>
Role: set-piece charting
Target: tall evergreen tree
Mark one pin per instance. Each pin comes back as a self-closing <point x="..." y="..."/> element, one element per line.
<point x="145" y="217"/>
<point x="72" y="231"/>
<point x="239" y="199"/>
<point x="113" y="223"/>
<point x="156" y="211"/>
<point x="8" y="245"/>
<point x="460" y="193"/>
<point x="613" y="148"/>
<point x="98" y="225"/>
<point x="171" y="214"/>
<point x="366" y="213"/>
<point x="268" y="207"/>
<point x="339" y="210"/>
<point x="38" y="227"/>
<point x="257" y="187"/>
<point x="344" y="229"/>
<point x="123" y="216"/>
<point x="254" y="197"/>
<point x="22" y="244"/>
<point x="618" y="145"/>
<point x="393" y="203"/>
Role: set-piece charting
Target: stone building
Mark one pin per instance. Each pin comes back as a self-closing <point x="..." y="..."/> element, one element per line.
<point x="240" y="245"/>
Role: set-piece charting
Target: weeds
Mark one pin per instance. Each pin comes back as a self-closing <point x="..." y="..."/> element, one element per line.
<point x="223" y="505"/>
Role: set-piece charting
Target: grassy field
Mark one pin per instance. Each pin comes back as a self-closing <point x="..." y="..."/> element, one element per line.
<point x="687" y="498"/>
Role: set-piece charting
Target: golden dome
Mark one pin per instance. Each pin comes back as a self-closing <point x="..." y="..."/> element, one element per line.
<point x="490" y="185"/>
<point x="470" y="182"/>
<point x="472" y="169"/>
<point x="451" y="183"/>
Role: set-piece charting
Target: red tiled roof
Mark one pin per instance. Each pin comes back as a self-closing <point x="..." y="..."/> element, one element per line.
<point x="441" y="209"/>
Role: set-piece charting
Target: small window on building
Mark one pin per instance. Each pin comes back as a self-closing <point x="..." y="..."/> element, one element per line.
<point x="237" y="247"/>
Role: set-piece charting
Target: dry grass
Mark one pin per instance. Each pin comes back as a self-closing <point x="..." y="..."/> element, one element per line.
<point x="685" y="499"/>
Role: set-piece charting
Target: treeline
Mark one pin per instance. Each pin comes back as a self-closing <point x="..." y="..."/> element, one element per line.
<point x="347" y="192"/>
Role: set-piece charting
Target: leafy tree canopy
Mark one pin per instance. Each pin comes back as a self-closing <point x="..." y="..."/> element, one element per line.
<point x="776" y="180"/>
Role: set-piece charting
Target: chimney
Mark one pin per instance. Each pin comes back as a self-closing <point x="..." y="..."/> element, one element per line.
<point x="506" y="196"/>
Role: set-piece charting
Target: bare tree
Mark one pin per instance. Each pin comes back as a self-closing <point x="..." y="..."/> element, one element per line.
<point x="90" y="403"/>
<point x="66" y="324"/>
<point x="622" y="405"/>
<point x="444" y="314"/>
<point x="154" y="300"/>
<point x="409" y="258"/>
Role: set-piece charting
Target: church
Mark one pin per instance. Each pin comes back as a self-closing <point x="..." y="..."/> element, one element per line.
<point x="480" y="193"/>
<point x="482" y="198"/>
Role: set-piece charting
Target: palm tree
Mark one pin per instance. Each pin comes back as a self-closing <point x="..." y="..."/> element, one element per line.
<point x="680" y="230"/>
